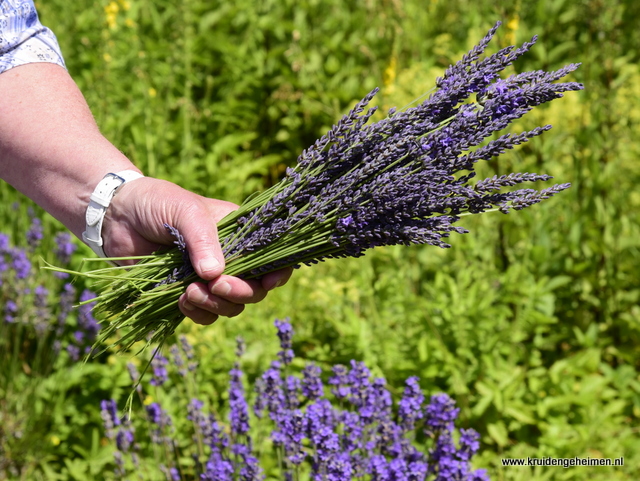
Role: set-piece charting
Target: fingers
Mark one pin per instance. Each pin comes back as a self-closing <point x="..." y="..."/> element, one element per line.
<point x="237" y="290"/>
<point x="226" y="296"/>
<point x="199" y="296"/>
<point x="276" y="279"/>
<point x="197" y="315"/>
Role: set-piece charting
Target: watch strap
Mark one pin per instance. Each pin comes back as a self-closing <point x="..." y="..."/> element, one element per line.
<point x="98" y="205"/>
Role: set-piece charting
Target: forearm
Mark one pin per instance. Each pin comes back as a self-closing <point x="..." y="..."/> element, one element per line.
<point x="50" y="146"/>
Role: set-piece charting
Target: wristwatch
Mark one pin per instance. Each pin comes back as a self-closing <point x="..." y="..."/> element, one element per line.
<point x="98" y="204"/>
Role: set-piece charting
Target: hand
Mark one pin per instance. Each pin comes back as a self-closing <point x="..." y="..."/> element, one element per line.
<point x="134" y="225"/>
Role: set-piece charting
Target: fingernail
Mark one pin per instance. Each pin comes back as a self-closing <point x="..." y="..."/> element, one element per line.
<point x="277" y="284"/>
<point x="188" y="306"/>
<point x="221" y="288"/>
<point x="196" y="297"/>
<point x="209" y="264"/>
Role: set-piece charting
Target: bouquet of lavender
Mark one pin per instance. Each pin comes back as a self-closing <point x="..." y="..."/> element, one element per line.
<point x="405" y="179"/>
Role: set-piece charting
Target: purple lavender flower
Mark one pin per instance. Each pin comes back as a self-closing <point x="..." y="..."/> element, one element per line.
<point x="378" y="468"/>
<point x="445" y="462"/>
<point x="217" y="469"/>
<point x="241" y="347"/>
<point x="154" y="413"/>
<point x="74" y="352"/>
<point x="159" y="367"/>
<point x="469" y="444"/>
<point x="185" y="269"/>
<point x="214" y="435"/>
<point x="175" y="474"/>
<point x="340" y="379"/>
<point x="248" y="466"/>
<point x="64" y="250"/>
<point x="35" y="233"/>
<point x="440" y="414"/>
<point x="239" y="411"/>
<point x="270" y="391"/>
<point x="20" y="263"/>
<point x="67" y="296"/>
<point x="410" y="407"/>
<point x="285" y="334"/>
<point x="4" y="243"/>
<point x="86" y="321"/>
<point x="178" y="360"/>
<point x="124" y="440"/>
<point x="312" y="386"/>
<point x="10" y="311"/>
<point x="109" y="414"/>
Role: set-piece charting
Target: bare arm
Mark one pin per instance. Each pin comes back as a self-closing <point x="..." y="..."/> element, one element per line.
<point x="52" y="151"/>
<point x="50" y="147"/>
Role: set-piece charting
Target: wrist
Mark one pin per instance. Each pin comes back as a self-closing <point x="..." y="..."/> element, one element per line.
<point x="99" y="202"/>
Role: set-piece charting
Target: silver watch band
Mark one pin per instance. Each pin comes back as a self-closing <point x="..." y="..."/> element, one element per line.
<point x="98" y="204"/>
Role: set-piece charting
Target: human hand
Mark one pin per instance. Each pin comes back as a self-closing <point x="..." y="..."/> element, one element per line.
<point x="134" y="225"/>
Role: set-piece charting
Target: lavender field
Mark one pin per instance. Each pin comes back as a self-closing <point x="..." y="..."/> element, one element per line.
<point x="410" y="363"/>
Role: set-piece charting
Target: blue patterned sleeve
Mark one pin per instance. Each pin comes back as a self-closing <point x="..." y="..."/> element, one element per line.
<point x="23" y="39"/>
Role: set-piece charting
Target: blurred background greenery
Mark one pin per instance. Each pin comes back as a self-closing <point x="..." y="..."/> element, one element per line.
<point x="531" y="322"/>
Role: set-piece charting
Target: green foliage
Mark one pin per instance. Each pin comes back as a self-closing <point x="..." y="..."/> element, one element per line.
<point x="531" y="321"/>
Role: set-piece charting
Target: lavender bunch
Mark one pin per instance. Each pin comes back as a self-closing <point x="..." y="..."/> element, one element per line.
<point x="342" y="428"/>
<point x="406" y="179"/>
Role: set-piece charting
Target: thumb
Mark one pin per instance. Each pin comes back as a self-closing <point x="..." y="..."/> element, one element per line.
<point x="201" y="237"/>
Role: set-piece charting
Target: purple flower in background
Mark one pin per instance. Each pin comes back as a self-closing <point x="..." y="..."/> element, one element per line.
<point x="410" y="406"/>
<point x="124" y="440"/>
<point x="109" y="414"/>
<point x="20" y="263"/>
<point x="178" y="360"/>
<point x="159" y="367"/>
<point x="341" y="380"/>
<point x="88" y="326"/>
<point x="241" y="347"/>
<point x="378" y="468"/>
<point x="64" y="250"/>
<point x="441" y="413"/>
<point x="270" y="391"/>
<point x="4" y="243"/>
<point x="239" y="411"/>
<point x="217" y="469"/>
<point x="74" y="352"/>
<point x="469" y="444"/>
<point x="339" y="468"/>
<point x="175" y="474"/>
<point x="312" y="387"/>
<point x="154" y="412"/>
<point x="285" y="334"/>
<point x="134" y="375"/>
<point x="293" y="390"/>
<point x="67" y="296"/>
<point x="172" y="474"/>
<point x="187" y="348"/>
<point x="10" y="311"/>
<point x="356" y="440"/>
<point x="3" y="266"/>
<point x="35" y="233"/>
<point x="249" y="465"/>
<point x="41" y="294"/>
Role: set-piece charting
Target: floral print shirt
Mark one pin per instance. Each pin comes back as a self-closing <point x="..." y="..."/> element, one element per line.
<point x="23" y="39"/>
